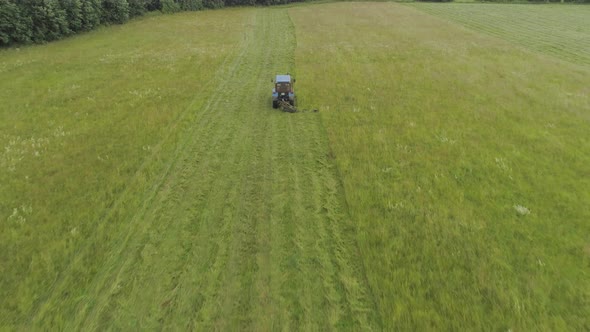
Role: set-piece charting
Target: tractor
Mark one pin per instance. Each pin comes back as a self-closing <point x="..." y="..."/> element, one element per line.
<point x="283" y="91"/>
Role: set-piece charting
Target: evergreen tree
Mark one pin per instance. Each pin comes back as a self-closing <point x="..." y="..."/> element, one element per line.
<point x="14" y="27"/>
<point x="91" y="13"/>
<point x="213" y="3"/>
<point x="169" y="6"/>
<point x="137" y="7"/>
<point x="48" y="20"/>
<point x="73" y="9"/>
<point x="57" y="20"/>
<point x="190" y="4"/>
<point x="154" y="5"/>
<point x="115" y="11"/>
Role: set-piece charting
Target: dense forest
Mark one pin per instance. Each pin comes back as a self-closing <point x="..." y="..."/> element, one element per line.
<point x="39" y="21"/>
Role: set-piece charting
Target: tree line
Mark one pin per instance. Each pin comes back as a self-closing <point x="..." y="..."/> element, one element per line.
<point x="39" y="21"/>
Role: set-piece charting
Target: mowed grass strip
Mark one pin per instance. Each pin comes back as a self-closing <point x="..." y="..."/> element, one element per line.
<point x="89" y="125"/>
<point x="231" y="216"/>
<point x="246" y="232"/>
<point x="557" y="30"/>
<point x="464" y="160"/>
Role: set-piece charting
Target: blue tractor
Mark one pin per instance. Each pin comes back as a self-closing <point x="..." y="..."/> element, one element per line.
<point x="283" y="91"/>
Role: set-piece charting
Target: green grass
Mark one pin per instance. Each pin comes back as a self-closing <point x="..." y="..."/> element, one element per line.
<point x="439" y="134"/>
<point x="151" y="185"/>
<point x="147" y="184"/>
<point x="88" y="126"/>
<point x="554" y="29"/>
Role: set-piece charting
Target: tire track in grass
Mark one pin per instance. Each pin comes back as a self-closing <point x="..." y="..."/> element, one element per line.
<point x="247" y="229"/>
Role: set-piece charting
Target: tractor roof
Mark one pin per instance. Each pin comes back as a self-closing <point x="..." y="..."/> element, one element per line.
<point x="283" y="79"/>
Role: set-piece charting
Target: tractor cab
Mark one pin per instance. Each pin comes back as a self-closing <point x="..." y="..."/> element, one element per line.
<point x="283" y="90"/>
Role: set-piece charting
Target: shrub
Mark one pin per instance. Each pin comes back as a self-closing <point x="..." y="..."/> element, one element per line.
<point x="169" y="6"/>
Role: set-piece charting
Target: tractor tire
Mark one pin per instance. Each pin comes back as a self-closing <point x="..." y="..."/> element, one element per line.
<point x="292" y="102"/>
<point x="275" y="104"/>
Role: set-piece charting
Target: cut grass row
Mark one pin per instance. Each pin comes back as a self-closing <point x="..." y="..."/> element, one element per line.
<point x="89" y="124"/>
<point x="232" y="218"/>
<point x="558" y="30"/>
<point x="147" y="184"/>
<point x="440" y="133"/>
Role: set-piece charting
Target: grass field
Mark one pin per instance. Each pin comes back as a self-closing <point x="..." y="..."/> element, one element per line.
<point x="557" y="30"/>
<point x="178" y="199"/>
<point x="147" y="183"/>
<point x="442" y="135"/>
